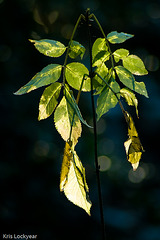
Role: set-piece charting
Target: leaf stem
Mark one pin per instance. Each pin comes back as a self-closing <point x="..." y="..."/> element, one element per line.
<point x="67" y="53"/>
<point x="95" y="129"/>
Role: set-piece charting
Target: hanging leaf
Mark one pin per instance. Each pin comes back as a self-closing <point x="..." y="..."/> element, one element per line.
<point x="48" y="101"/>
<point x="50" y="48"/>
<point x="135" y="65"/>
<point x="74" y="74"/>
<point x="127" y="78"/>
<point x="48" y="75"/>
<point x="120" y="54"/>
<point x="76" y="49"/>
<point x="107" y="98"/>
<point x="115" y="37"/>
<point x="130" y="98"/>
<point x="73" y="181"/>
<point x="66" y="118"/>
<point x="67" y="158"/>
<point x="133" y="145"/>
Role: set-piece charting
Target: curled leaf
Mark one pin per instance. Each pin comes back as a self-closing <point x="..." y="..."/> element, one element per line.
<point x="133" y="145"/>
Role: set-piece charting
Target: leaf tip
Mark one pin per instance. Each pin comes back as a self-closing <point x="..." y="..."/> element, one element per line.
<point x="135" y="166"/>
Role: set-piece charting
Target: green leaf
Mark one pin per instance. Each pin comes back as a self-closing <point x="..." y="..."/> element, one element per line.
<point x="99" y="46"/>
<point x="127" y="78"/>
<point x="100" y="53"/>
<point x="65" y="118"/>
<point x="102" y="70"/>
<point x="74" y="75"/>
<point x="50" y="48"/>
<point x="130" y="98"/>
<point x="135" y="65"/>
<point x="107" y="98"/>
<point x="115" y="37"/>
<point x="76" y="49"/>
<point x="73" y="105"/>
<point x="133" y="145"/>
<point x="48" y="75"/>
<point x="48" y="101"/>
<point x="73" y="180"/>
<point x="120" y="54"/>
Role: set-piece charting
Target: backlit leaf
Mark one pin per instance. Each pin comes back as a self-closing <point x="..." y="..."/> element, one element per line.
<point x="50" y="48"/>
<point x="120" y="54"/>
<point x="67" y="158"/>
<point x="74" y="74"/>
<point x="135" y="65"/>
<point x="100" y="53"/>
<point x="107" y="98"/>
<point x="127" y="78"/>
<point x="76" y="188"/>
<point x="76" y="49"/>
<point x="66" y="118"/>
<point x="130" y="98"/>
<point x="48" y="101"/>
<point x="133" y="145"/>
<point x="48" y="75"/>
<point x="115" y="37"/>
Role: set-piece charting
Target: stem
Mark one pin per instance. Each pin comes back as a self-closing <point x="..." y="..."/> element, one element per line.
<point x="67" y="53"/>
<point x="95" y="132"/>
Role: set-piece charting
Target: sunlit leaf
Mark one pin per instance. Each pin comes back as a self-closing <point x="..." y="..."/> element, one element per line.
<point x="135" y="65"/>
<point x="133" y="145"/>
<point x="76" y="188"/>
<point x="67" y="158"/>
<point x="120" y="54"/>
<point x="115" y="37"/>
<point x="100" y="53"/>
<point x="107" y="98"/>
<point x="76" y="49"/>
<point x="50" y="48"/>
<point x="130" y="98"/>
<point x="48" y="100"/>
<point x="65" y="119"/>
<point x="74" y="74"/>
<point x="71" y="102"/>
<point x="127" y="78"/>
<point x="48" y="75"/>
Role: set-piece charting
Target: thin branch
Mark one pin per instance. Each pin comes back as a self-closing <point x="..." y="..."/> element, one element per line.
<point x="95" y="130"/>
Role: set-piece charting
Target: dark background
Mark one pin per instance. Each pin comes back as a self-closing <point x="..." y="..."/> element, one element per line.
<point x="31" y="151"/>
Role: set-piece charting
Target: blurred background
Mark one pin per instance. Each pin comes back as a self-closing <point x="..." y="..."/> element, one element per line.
<point x="31" y="151"/>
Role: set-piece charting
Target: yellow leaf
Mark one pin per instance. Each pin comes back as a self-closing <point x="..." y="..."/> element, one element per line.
<point x="76" y="188"/>
<point x="73" y="180"/>
<point x="133" y="145"/>
<point x="67" y="157"/>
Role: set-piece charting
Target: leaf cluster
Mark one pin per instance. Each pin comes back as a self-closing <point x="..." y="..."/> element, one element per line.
<point x="68" y="119"/>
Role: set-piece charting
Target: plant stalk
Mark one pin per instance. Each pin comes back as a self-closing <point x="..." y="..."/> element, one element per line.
<point x="95" y="132"/>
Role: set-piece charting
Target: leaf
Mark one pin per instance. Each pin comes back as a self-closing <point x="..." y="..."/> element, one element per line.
<point x="107" y="98"/>
<point x="120" y="54"/>
<point x="50" y="48"/>
<point x="133" y="145"/>
<point x="135" y="65"/>
<point x="74" y="75"/>
<point x="72" y="103"/>
<point x="48" y="75"/>
<point x="100" y="52"/>
<point x="76" y="49"/>
<point x="115" y="37"/>
<point x="130" y="98"/>
<point x="74" y="182"/>
<point x="127" y="78"/>
<point x="48" y="101"/>
<point x="65" y="118"/>
<point x="67" y="158"/>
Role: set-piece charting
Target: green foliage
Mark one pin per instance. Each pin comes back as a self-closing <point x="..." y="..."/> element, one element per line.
<point x="106" y="73"/>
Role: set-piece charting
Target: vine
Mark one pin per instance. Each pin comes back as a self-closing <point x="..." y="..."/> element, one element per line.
<point x="98" y="80"/>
